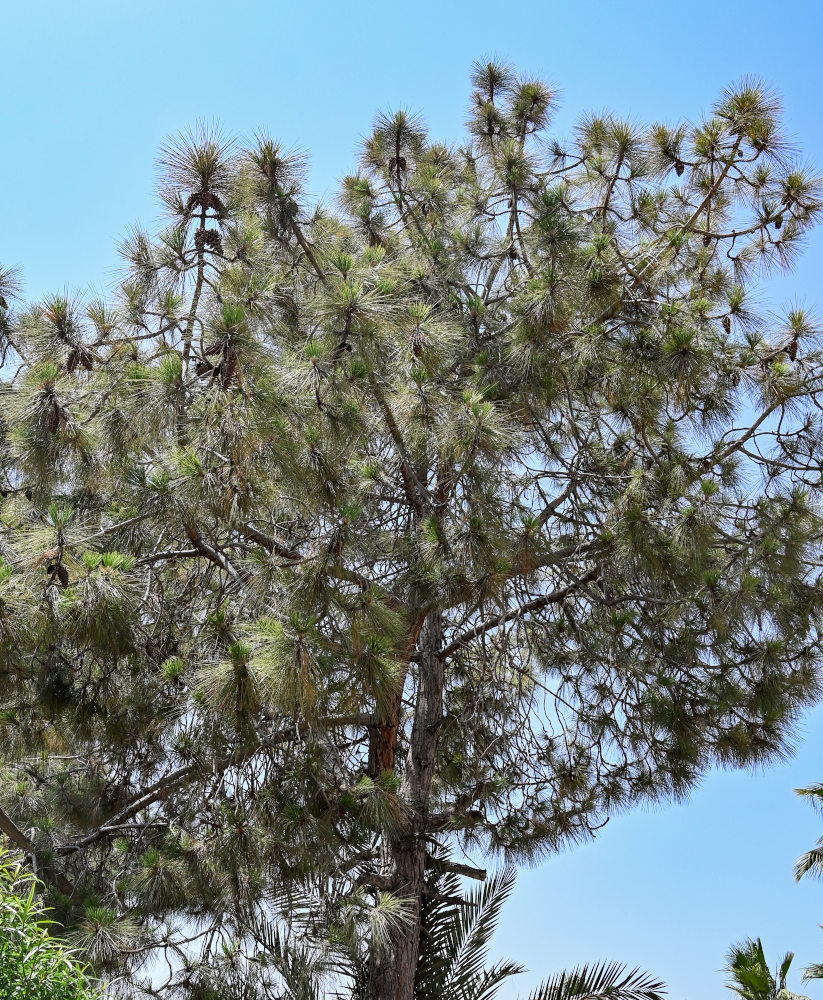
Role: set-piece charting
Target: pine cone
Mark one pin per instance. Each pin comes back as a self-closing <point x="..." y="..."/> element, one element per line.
<point x="679" y="167"/>
<point x="79" y="356"/>
<point x="727" y="324"/>
<point x="229" y="367"/>
<point x="342" y="348"/>
<point x="219" y="207"/>
<point x="200" y="240"/>
<point x="211" y="237"/>
<point x="791" y="350"/>
<point x="418" y="341"/>
<point x="54" y="416"/>
<point x="58" y="570"/>
<point x="193" y="202"/>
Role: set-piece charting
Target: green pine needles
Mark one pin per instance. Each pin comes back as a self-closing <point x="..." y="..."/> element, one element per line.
<point x="473" y="511"/>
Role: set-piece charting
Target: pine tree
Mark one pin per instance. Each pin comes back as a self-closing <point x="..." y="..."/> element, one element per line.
<point x="473" y="512"/>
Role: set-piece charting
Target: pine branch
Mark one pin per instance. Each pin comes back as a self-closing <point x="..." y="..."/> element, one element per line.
<point x="467" y="871"/>
<point x="268" y="542"/>
<point x="537" y="604"/>
<point x="17" y="837"/>
<point x="417" y="494"/>
<point x="161" y="788"/>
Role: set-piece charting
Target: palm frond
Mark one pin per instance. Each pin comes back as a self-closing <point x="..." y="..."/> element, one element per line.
<point x="810" y="863"/>
<point x="813" y="971"/>
<point x="299" y="967"/>
<point x="783" y="969"/>
<point x="472" y="929"/>
<point x="487" y="984"/>
<point x="456" y="933"/>
<point x="749" y="973"/>
<point x="606" y="980"/>
<point x="814" y="793"/>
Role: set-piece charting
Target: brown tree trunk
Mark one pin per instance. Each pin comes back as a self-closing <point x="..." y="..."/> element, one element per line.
<point x="392" y="970"/>
<point x="383" y="738"/>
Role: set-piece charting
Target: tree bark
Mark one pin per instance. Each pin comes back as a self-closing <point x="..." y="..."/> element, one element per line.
<point x="392" y="969"/>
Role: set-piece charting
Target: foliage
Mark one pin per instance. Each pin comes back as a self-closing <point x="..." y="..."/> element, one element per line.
<point x="33" y="965"/>
<point x="473" y="512"/>
<point x="455" y="934"/>
<point x="457" y="931"/>
<point x="811" y="862"/>
<point x="751" y="978"/>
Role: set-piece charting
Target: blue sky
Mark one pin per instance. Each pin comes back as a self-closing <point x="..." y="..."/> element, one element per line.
<point x="89" y="91"/>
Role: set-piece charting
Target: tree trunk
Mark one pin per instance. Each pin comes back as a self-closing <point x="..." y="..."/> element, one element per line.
<point x="392" y="970"/>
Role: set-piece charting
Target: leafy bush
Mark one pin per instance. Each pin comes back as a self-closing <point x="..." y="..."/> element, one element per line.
<point x="33" y="964"/>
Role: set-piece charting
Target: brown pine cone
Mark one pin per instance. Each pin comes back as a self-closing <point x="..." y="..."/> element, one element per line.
<point x="211" y="237"/>
<point x="218" y="206"/>
<point x="229" y="367"/>
<point x="53" y="418"/>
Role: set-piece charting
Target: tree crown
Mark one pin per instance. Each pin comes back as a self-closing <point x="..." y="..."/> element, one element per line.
<point x="479" y="509"/>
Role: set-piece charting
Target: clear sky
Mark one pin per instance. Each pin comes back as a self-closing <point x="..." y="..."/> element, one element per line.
<point x="89" y="91"/>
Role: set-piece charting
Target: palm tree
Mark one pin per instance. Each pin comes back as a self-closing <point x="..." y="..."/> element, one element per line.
<point x="455" y="934"/>
<point x="601" y="981"/>
<point x="455" y="937"/>
<point x="750" y="975"/>
<point x="811" y="863"/>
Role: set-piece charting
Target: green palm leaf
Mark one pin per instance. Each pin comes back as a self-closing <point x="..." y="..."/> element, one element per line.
<point x="810" y="863"/>
<point x="456" y="940"/>
<point x="471" y="931"/>
<point x="606" y="980"/>
<point x="813" y="971"/>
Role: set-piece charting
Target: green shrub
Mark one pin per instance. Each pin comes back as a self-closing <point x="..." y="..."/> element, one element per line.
<point x="33" y="964"/>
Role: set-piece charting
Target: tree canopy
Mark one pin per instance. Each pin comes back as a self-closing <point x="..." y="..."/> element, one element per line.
<point x="472" y="510"/>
